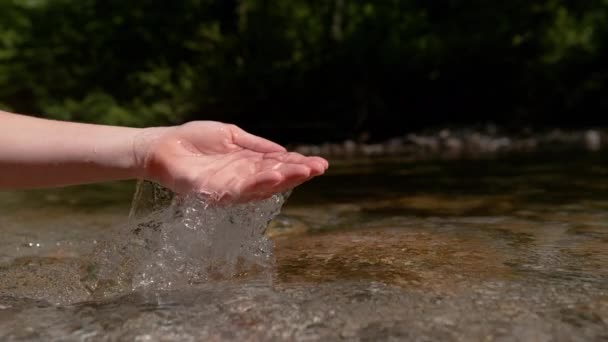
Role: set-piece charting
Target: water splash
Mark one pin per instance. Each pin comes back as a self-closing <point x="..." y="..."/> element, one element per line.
<point x="176" y="241"/>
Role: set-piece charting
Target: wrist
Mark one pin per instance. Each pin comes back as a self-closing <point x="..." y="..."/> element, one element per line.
<point x="143" y="145"/>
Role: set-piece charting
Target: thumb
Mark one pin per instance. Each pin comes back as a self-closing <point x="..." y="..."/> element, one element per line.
<point x="253" y="142"/>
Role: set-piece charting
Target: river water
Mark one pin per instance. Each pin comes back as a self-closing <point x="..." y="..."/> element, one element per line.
<point x="507" y="248"/>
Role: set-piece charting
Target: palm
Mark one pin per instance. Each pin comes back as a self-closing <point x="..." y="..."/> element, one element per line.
<point x="226" y="163"/>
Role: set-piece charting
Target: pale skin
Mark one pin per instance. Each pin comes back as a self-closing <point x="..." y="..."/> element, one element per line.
<point x="219" y="160"/>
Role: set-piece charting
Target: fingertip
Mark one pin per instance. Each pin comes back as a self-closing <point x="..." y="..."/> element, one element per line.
<point x="316" y="167"/>
<point x="321" y="161"/>
<point x="324" y="162"/>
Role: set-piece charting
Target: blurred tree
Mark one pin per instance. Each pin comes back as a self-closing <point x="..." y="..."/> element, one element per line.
<point x="284" y="68"/>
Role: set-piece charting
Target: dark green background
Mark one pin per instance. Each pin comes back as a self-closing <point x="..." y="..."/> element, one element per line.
<point x="308" y="70"/>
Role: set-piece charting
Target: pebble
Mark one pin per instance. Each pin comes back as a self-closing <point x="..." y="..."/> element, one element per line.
<point x="453" y="144"/>
<point x="464" y="142"/>
<point x="350" y="147"/>
<point x="593" y="140"/>
<point x="443" y="321"/>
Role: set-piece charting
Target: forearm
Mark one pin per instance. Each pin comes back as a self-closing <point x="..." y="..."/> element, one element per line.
<point x="44" y="153"/>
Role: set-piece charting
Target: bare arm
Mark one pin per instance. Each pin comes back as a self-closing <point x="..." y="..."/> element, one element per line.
<point x="210" y="157"/>
<point x="43" y="153"/>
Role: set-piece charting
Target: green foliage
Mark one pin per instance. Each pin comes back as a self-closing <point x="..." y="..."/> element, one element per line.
<point x="354" y="64"/>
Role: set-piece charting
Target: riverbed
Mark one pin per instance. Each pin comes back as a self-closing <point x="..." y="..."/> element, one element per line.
<point x="488" y="248"/>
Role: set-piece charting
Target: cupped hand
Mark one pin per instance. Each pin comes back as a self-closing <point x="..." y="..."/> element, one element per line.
<point x="222" y="161"/>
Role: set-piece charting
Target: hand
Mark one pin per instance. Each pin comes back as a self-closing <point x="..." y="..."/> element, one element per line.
<point x="221" y="161"/>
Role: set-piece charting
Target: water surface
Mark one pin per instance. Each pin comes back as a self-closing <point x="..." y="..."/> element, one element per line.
<point x="510" y="248"/>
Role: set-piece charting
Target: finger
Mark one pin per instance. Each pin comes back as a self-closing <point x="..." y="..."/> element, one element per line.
<point x="290" y="175"/>
<point x="253" y="188"/>
<point x="323" y="161"/>
<point x="294" y="157"/>
<point x="268" y="183"/>
<point x="317" y="165"/>
<point x="286" y="157"/>
<point x="293" y="171"/>
<point x="265" y="190"/>
<point x="253" y="142"/>
<point x="297" y="182"/>
<point x="293" y="175"/>
<point x="261" y="183"/>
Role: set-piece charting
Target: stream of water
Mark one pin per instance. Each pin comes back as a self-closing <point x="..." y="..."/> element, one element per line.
<point x="506" y="249"/>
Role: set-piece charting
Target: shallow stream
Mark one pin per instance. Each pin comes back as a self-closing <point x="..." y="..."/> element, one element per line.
<point x="509" y="248"/>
